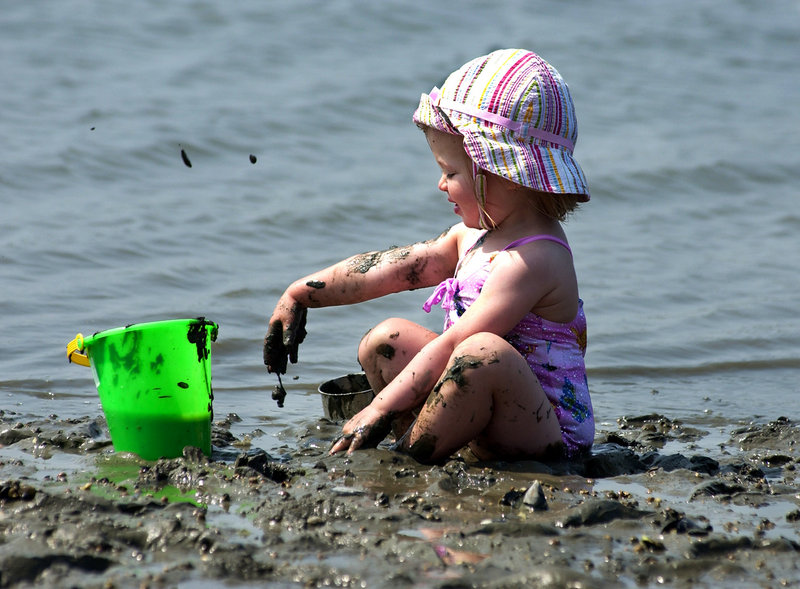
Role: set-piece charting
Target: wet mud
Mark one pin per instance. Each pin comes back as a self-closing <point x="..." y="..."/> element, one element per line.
<point x="456" y="371"/>
<point x="198" y="333"/>
<point x="363" y="263"/>
<point x="423" y="448"/>
<point x="185" y="158"/>
<point x="413" y="272"/>
<point x="279" y="392"/>
<point x="657" y="503"/>
<point x="385" y="350"/>
<point x="416" y="272"/>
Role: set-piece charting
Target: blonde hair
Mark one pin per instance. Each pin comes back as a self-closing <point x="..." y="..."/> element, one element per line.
<point x="550" y="204"/>
<point x="553" y="205"/>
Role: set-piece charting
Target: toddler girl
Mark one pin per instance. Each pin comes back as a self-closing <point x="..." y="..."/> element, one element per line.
<point x="506" y="376"/>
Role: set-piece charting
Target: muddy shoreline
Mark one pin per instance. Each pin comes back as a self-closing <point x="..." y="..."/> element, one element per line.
<point x="658" y="503"/>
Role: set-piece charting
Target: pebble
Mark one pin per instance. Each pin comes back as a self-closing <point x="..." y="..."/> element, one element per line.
<point x="534" y="497"/>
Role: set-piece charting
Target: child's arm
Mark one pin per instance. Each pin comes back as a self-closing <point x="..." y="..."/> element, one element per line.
<point x="358" y="278"/>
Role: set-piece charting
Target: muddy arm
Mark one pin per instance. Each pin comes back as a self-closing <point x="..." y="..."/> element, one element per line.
<point x="375" y="274"/>
<point x="358" y="278"/>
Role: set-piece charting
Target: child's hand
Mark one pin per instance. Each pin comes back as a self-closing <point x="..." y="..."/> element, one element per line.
<point x="365" y="430"/>
<point x="281" y="343"/>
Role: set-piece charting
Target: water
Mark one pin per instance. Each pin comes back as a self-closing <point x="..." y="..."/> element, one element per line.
<point x="687" y="253"/>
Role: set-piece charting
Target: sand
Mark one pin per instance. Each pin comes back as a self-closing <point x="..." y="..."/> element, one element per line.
<point x="659" y="503"/>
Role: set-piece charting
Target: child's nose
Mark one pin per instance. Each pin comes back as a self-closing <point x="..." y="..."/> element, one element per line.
<point x="443" y="183"/>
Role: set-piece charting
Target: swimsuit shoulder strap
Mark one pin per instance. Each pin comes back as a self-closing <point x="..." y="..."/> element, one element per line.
<point x="530" y="238"/>
<point x="477" y="242"/>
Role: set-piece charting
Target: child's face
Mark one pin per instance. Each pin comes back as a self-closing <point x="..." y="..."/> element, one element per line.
<point x="456" y="179"/>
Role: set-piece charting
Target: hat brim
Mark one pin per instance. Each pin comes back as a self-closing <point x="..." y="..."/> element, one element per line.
<point x="530" y="162"/>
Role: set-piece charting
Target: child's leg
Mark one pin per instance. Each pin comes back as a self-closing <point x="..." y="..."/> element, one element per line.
<point x="490" y="399"/>
<point x="385" y="350"/>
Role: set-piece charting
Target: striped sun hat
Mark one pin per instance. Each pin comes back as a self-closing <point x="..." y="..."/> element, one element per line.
<point x="517" y="118"/>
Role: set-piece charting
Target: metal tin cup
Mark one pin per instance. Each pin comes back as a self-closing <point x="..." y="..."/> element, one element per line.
<point x="345" y="396"/>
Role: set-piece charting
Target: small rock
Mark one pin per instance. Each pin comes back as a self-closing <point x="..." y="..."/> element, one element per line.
<point x="263" y="463"/>
<point x="600" y="511"/>
<point x="194" y="455"/>
<point x="512" y="498"/>
<point x="534" y="497"/>
<point x="16" y="491"/>
<point x="346" y="491"/>
<point x="717" y="488"/>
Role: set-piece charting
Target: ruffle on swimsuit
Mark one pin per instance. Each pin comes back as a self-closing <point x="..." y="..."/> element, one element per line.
<point x="444" y="293"/>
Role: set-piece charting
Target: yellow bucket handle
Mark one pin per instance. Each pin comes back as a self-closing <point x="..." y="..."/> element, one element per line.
<point x="74" y="349"/>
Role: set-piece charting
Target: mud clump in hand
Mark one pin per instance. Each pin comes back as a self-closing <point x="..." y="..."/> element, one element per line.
<point x="279" y="393"/>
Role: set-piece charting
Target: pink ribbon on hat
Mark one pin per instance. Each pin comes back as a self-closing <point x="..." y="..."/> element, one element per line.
<point x="524" y="129"/>
<point x="444" y="293"/>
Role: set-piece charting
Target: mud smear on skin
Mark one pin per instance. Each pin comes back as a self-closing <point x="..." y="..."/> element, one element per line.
<point x="456" y="372"/>
<point x="547" y="412"/>
<point x="363" y="263"/>
<point x="385" y="350"/>
<point x="316" y="285"/>
<point x="414" y="276"/>
<point x="423" y="448"/>
<point x="704" y="504"/>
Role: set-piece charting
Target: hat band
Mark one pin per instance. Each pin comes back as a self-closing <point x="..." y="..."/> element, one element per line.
<point x="523" y="129"/>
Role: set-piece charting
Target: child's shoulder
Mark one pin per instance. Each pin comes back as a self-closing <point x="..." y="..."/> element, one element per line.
<point x="464" y="237"/>
<point x="455" y="237"/>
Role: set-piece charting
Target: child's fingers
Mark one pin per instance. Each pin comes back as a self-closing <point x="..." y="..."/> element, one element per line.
<point x="295" y="333"/>
<point x="357" y="441"/>
<point x="364" y="435"/>
<point x="341" y="443"/>
<point x="274" y="350"/>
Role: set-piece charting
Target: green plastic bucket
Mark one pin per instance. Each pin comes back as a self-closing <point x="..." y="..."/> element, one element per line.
<point x="154" y="382"/>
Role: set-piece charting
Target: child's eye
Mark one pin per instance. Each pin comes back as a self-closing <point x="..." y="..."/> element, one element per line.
<point x="450" y="175"/>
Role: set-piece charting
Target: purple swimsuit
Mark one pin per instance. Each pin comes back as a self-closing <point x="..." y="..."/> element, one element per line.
<point x="554" y="351"/>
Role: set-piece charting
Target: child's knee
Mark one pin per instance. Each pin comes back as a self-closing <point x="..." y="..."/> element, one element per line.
<point x="483" y="345"/>
<point x="481" y="358"/>
<point x="379" y="341"/>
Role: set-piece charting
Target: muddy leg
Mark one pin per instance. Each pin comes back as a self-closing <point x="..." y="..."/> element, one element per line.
<point x="487" y="398"/>
<point x="383" y="353"/>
